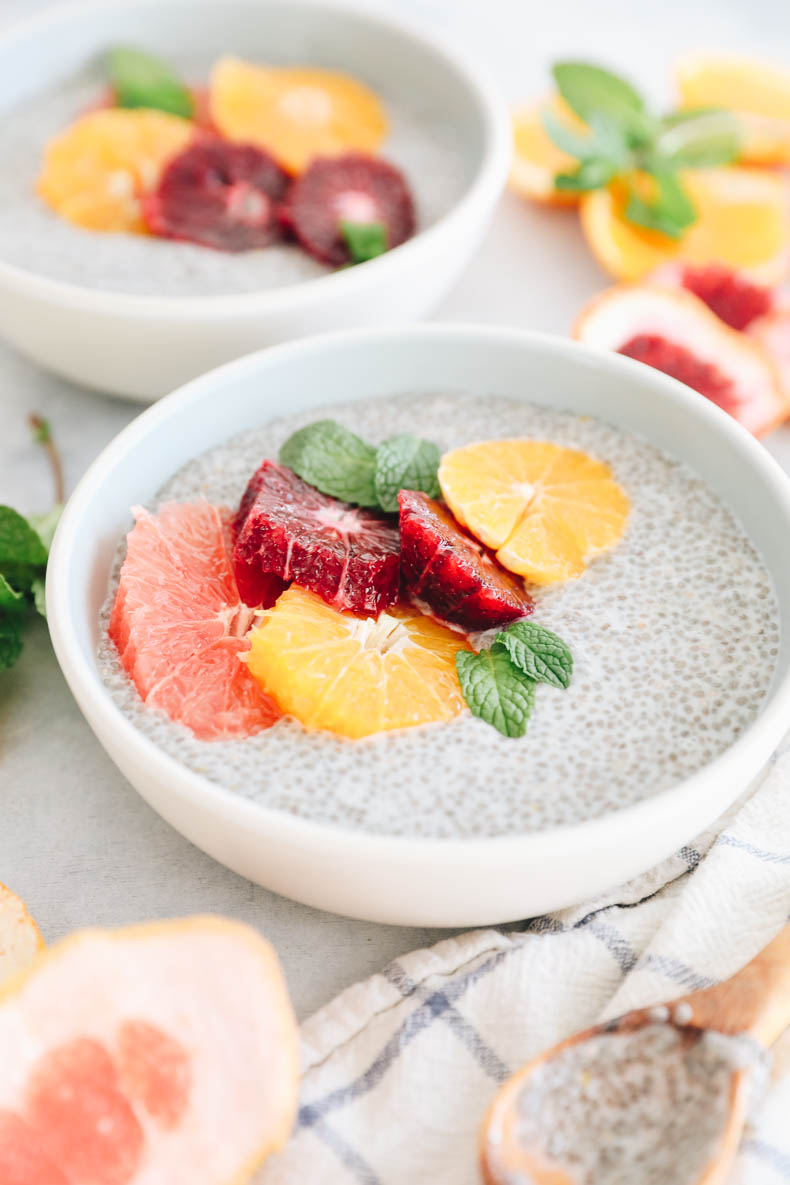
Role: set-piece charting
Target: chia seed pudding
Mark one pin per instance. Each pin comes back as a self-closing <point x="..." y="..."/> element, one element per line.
<point x="674" y="635"/>
<point x="648" y="1106"/>
<point x="423" y="144"/>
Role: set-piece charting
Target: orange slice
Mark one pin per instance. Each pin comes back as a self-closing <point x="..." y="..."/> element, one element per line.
<point x="355" y="676"/>
<point x="757" y="90"/>
<point x="544" y="509"/>
<point x="536" y="159"/>
<point x="20" y="940"/>
<point x="158" y="1053"/>
<point x="295" y="113"/>
<point x="95" y="171"/>
<point x="743" y="222"/>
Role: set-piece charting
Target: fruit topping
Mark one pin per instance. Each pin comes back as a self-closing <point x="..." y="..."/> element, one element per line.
<point x="96" y="171"/>
<point x="286" y="528"/>
<point x="675" y="332"/>
<point x="296" y="113"/>
<point x="536" y="159"/>
<point x="219" y="195"/>
<point x="336" y="196"/>
<point x="545" y="510"/>
<point x="732" y="297"/>
<point x="355" y="675"/>
<point x="742" y="222"/>
<point x="129" y="1052"/>
<point x="179" y="625"/>
<point x="451" y="573"/>
<point x="20" y="940"/>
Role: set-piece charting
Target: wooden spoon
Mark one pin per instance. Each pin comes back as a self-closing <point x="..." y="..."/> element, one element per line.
<point x="755" y="1002"/>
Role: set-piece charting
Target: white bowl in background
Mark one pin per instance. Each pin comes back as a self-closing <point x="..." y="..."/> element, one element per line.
<point x="437" y="882"/>
<point x="143" y="346"/>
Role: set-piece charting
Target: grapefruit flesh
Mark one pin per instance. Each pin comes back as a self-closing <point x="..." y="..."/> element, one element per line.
<point x="452" y="573"/>
<point x="164" y="1052"/>
<point x="179" y="624"/>
<point x="674" y="331"/>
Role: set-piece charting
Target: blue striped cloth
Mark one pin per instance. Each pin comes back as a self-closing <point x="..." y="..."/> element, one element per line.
<point x="399" y="1070"/>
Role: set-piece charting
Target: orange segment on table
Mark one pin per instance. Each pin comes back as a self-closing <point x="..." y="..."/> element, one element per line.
<point x="743" y="222"/>
<point x="96" y="170"/>
<point x="546" y="510"/>
<point x="536" y="159"/>
<point x="295" y="113"/>
<point x="355" y="676"/>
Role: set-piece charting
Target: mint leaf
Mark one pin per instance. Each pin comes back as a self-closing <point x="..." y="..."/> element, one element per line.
<point x="496" y="690"/>
<point x="10" y="641"/>
<point x="405" y="463"/>
<point x="590" y="90"/>
<point x="582" y="147"/>
<point x="11" y="601"/>
<point x="141" y="79"/>
<point x="671" y="211"/>
<point x="365" y="240"/>
<point x="699" y="138"/>
<point x="38" y="588"/>
<point x="334" y="460"/>
<point x="591" y="174"/>
<point x="19" y="542"/>
<point x="44" y="524"/>
<point x="537" y="652"/>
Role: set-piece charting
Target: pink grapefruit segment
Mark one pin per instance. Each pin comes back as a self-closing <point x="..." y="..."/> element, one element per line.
<point x="158" y="1053"/>
<point x="180" y="626"/>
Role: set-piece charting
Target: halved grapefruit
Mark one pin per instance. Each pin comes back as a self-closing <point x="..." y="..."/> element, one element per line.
<point x="180" y="625"/>
<point x="157" y="1053"/>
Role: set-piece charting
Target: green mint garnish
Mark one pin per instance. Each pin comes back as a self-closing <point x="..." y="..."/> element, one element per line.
<point x="405" y="463"/>
<point x="140" y="79"/>
<point x="340" y="464"/>
<point x="538" y="652"/>
<point x="496" y="690"/>
<point x="334" y="460"/>
<point x="365" y="240"/>
<point x="10" y="641"/>
<point x="625" y="141"/>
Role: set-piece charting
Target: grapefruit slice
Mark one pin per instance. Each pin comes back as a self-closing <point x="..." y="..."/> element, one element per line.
<point x="733" y="297"/>
<point x="757" y="90"/>
<point x="743" y="222"/>
<point x="158" y="1053"/>
<point x="96" y="171"/>
<point x="674" y="331"/>
<point x="545" y="510"/>
<point x="296" y="113"/>
<point x="180" y="626"/>
<point x="20" y="940"/>
<point x="356" y="676"/>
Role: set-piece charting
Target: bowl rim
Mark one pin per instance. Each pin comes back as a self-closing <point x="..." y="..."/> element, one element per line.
<point x="487" y="180"/>
<point x="104" y="716"/>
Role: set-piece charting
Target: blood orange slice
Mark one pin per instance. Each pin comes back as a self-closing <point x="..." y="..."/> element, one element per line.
<point x="165" y="1052"/>
<point x="180" y="626"/>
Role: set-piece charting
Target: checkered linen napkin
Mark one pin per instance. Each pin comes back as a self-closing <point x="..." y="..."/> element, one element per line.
<point x="398" y="1070"/>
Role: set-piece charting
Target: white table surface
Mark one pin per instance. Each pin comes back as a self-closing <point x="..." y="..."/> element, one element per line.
<point x="75" y="840"/>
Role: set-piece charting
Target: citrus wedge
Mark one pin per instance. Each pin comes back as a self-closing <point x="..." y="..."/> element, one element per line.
<point x="544" y="509"/>
<point x="743" y="222"/>
<point x="355" y="676"/>
<point x="536" y="159"/>
<point x="20" y="940"/>
<point x="96" y="171"/>
<point x="757" y="90"/>
<point x="158" y="1053"/>
<point x="296" y="113"/>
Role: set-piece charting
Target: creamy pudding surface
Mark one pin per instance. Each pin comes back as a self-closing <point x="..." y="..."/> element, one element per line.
<point x="674" y="636"/>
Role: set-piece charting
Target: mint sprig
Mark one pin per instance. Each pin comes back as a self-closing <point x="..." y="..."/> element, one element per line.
<point x="626" y="141"/>
<point x="141" y="79"/>
<point x="24" y="547"/>
<point x="341" y="464"/>
<point x="499" y="683"/>
<point x="365" y="240"/>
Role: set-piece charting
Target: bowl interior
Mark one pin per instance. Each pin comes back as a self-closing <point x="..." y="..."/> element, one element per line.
<point x="308" y="375"/>
<point x="386" y="56"/>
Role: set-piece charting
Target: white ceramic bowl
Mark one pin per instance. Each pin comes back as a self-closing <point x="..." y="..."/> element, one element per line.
<point x="143" y="346"/>
<point x="402" y="880"/>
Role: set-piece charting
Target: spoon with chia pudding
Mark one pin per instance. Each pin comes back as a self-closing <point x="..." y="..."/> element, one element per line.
<point x="659" y="1096"/>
